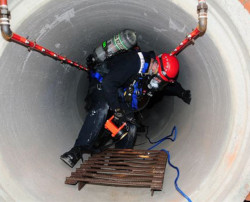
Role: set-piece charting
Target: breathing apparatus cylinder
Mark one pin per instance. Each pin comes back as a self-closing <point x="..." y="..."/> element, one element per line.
<point x="125" y="40"/>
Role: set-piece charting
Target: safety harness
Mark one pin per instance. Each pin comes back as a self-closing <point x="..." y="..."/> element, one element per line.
<point x="96" y="75"/>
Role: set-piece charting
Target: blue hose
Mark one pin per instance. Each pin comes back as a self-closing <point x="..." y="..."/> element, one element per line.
<point x="176" y="179"/>
<point x="174" y="130"/>
<point x="176" y="168"/>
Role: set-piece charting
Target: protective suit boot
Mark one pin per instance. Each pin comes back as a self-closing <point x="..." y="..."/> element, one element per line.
<point x="72" y="157"/>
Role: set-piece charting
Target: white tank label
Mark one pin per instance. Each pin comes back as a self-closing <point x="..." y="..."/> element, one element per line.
<point x="118" y="43"/>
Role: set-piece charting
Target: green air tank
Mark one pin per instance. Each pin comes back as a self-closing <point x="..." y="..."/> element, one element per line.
<point x="120" y="42"/>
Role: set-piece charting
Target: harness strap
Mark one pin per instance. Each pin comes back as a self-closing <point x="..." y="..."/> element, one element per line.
<point x="97" y="76"/>
<point x="142" y="61"/>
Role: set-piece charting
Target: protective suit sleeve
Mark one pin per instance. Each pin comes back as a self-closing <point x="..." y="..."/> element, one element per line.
<point x="175" y="89"/>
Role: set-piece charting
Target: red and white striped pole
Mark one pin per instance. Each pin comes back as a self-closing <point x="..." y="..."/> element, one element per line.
<point x="3" y="2"/>
<point x="34" y="46"/>
<point x="198" y="31"/>
<point x="31" y="45"/>
<point x="187" y="41"/>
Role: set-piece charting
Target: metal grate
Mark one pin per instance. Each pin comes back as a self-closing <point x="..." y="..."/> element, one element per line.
<point x="122" y="167"/>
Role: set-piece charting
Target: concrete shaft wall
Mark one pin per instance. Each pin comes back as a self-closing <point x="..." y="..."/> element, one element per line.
<point x="41" y="101"/>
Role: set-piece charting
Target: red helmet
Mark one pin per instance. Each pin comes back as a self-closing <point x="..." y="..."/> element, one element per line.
<point x="168" y="67"/>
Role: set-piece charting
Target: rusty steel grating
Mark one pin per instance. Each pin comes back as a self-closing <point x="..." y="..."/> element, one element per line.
<point x="122" y="167"/>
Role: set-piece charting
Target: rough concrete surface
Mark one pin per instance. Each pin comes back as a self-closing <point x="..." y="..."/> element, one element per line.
<point x="41" y="101"/>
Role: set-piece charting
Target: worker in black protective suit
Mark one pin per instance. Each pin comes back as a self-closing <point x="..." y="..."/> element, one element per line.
<point x="110" y="89"/>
